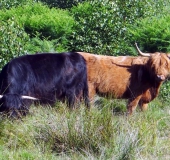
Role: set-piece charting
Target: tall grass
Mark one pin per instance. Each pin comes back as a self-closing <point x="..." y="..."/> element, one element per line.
<point x="49" y="133"/>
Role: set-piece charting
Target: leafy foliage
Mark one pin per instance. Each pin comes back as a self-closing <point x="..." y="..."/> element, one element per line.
<point x="52" y="23"/>
<point x="7" y="4"/>
<point x="62" y="3"/>
<point x="45" y="24"/>
<point x="44" y="45"/>
<point x="13" y="41"/>
<point x="153" y="34"/>
<point x="101" y="26"/>
<point x="164" y="95"/>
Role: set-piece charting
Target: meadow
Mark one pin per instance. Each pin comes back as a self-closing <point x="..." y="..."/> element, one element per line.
<point x="104" y="132"/>
<point x="102" y="27"/>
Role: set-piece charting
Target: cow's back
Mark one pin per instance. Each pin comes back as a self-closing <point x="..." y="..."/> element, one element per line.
<point x="113" y="76"/>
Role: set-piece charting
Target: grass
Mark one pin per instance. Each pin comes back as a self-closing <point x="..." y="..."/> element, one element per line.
<point x="49" y="133"/>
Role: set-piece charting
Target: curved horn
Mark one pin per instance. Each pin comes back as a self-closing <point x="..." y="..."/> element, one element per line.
<point x="29" y="97"/>
<point x="141" y="53"/>
<point x="1" y="96"/>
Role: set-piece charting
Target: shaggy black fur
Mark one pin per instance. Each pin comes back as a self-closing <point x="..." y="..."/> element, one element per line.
<point x="47" y="76"/>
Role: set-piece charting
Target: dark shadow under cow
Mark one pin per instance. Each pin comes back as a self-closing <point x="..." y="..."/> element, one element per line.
<point x="44" y="78"/>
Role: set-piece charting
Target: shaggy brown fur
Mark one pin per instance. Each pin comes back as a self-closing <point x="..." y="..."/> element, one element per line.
<point x="137" y="79"/>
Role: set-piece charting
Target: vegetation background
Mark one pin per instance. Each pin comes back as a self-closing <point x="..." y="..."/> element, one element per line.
<point x="109" y="27"/>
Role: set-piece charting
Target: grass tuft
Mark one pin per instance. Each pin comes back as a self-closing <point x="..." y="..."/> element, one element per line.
<point x="101" y="133"/>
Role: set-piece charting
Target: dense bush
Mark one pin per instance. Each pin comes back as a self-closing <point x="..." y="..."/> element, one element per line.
<point x="43" y="23"/>
<point x="164" y="95"/>
<point x="62" y="3"/>
<point x="52" y="23"/>
<point x="153" y="34"/>
<point x="102" y="25"/>
<point x="13" y="40"/>
<point x="7" y="4"/>
<point x="44" y="45"/>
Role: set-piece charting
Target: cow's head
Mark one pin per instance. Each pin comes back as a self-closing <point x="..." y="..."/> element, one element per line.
<point x="158" y="64"/>
<point x="15" y="105"/>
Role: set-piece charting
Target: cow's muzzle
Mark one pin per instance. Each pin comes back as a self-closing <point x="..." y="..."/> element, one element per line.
<point x="161" y="77"/>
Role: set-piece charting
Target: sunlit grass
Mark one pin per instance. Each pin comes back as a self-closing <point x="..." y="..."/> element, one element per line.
<point x="101" y="133"/>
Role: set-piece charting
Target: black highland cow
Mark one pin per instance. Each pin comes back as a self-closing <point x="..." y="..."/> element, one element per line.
<point x="44" y="78"/>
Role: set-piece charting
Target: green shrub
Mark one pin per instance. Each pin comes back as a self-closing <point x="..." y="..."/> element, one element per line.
<point x="61" y="3"/>
<point x="7" y="4"/>
<point x="101" y="26"/>
<point x="164" y="94"/>
<point x="153" y="34"/>
<point x="40" y="21"/>
<point x="13" y="41"/>
<point x="45" y="45"/>
<point x="52" y="23"/>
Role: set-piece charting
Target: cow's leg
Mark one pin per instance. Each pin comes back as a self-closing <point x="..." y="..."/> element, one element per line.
<point x="132" y="104"/>
<point x="143" y="106"/>
<point x="71" y="99"/>
<point x="92" y="92"/>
